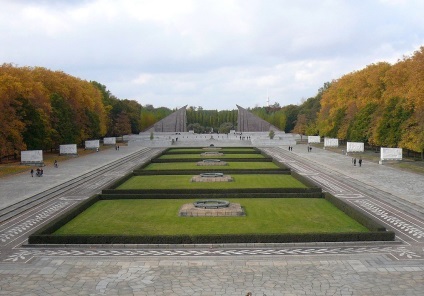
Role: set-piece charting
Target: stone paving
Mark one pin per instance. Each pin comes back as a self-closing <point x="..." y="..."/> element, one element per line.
<point x="395" y="268"/>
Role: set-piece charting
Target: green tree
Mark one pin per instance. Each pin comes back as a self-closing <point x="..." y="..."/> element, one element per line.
<point x="360" y="130"/>
<point x="36" y="133"/>
<point x="225" y="127"/>
<point x="389" y="128"/>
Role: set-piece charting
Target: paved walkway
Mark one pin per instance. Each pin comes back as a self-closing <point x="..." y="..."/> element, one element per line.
<point x="406" y="186"/>
<point x="18" y="187"/>
<point x="291" y="269"/>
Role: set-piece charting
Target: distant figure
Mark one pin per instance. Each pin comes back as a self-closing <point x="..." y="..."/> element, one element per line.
<point x="97" y="149"/>
<point x="55" y="164"/>
<point x="32" y="173"/>
<point x="354" y="161"/>
<point x="360" y="161"/>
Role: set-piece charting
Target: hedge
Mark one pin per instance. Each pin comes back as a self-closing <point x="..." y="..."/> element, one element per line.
<point x="157" y="160"/>
<point x="197" y="172"/>
<point x="211" y="239"/>
<point x="355" y="213"/>
<point x="211" y="195"/>
<point x="205" y="191"/>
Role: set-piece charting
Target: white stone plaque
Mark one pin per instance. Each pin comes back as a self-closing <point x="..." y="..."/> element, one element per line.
<point x="92" y="144"/>
<point x="109" y="141"/>
<point x="391" y="154"/>
<point x="355" y="147"/>
<point x="330" y="142"/>
<point x="314" y="139"/>
<point x="31" y="156"/>
<point x="68" y="149"/>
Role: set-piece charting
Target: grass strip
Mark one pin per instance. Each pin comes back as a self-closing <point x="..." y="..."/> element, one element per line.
<point x="201" y="150"/>
<point x="160" y="217"/>
<point x="194" y="166"/>
<point x="191" y="156"/>
<point x="240" y="181"/>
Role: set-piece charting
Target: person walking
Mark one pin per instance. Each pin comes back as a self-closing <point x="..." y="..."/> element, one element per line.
<point x="32" y="173"/>
<point x="360" y="161"/>
<point x="354" y="161"/>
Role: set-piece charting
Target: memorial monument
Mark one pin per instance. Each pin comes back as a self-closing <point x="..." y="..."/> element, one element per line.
<point x="248" y="122"/>
<point x="175" y="122"/>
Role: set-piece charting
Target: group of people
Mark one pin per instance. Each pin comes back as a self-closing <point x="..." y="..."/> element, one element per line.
<point x="309" y="148"/>
<point x="117" y="147"/>
<point x="359" y="161"/>
<point x="290" y="148"/>
<point x="38" y="172"/>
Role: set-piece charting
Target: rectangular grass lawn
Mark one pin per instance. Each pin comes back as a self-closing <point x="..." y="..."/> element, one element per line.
<point x="240" y="181"/>
<point x="160" y="217"/>
<point x="195" y="155"/>
<point x="201" y="150"/>
<point x="193" y="166"/>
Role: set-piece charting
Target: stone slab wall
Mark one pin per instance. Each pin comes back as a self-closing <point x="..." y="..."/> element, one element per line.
<point x="92" y="144"/>
<point x="109" y="141"/>
<point x="391" y="154"/>
<point x="68" y="149"/>
<point x="329" y="142"/>
<point x="355" y="147"/>
<point x="32" y="156"/>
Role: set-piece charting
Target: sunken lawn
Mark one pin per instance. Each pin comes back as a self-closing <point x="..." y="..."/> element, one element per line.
<point x="160" y="217"/>
<point x="193" y="166"/>
<point x="240" y="182"/>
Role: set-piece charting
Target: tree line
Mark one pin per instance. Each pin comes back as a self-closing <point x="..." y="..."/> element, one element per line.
<point x="381" y="105"/>
<point x="41" y="109"/>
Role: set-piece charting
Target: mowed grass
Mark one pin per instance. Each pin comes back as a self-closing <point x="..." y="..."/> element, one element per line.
<point x="191" y="156"/>
<point x="193" y="166"/>
<point x="6" y="170"/>
<point x="240" y="181"/>
<point x="213" y="149"/>
<point x="160" y="217"/>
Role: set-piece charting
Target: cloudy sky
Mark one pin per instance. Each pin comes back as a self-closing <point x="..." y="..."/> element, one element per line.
<point x="209" y="53"/>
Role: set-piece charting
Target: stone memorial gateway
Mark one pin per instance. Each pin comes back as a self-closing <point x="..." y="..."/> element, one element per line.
<point x="248" y="122"/>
